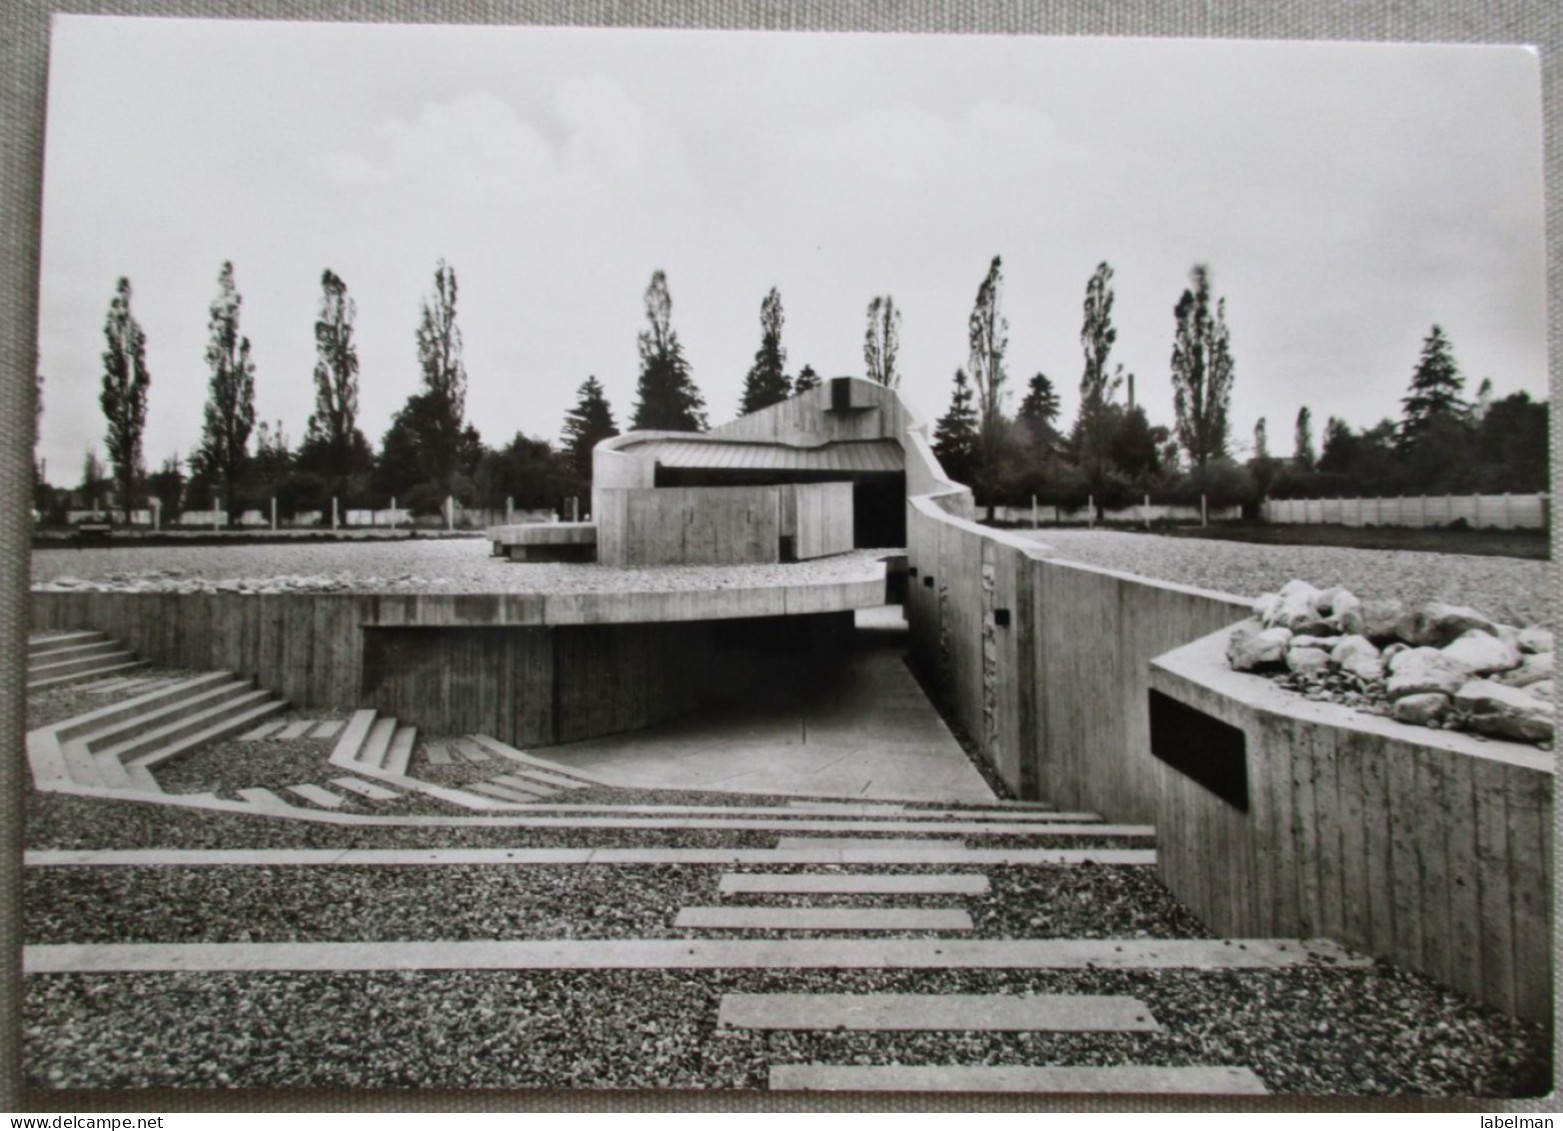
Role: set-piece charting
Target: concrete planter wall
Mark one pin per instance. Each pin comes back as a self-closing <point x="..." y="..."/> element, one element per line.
<point x="1430" y="849"/>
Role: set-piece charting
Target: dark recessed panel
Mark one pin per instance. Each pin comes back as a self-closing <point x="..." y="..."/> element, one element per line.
<point x="840" y="394"/>
<point x="927" y="581"/>
<point x="1213" y="753"/>
<point x="1001" y="618"/>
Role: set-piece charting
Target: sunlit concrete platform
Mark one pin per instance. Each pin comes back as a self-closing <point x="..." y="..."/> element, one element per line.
<point x="870" y="733"/>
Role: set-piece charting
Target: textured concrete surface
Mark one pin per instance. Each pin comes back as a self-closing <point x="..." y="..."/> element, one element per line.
<point x="873" y="736"/>
<point x="1130" y="1079"/>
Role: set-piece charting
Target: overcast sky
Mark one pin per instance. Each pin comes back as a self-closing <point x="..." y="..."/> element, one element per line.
<point x="1344" y="197"/>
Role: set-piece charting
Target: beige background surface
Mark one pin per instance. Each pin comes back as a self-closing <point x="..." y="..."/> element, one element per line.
<point x="24" y="35"/>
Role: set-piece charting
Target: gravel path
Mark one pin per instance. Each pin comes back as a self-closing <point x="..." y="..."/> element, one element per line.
<point x="1514" y="590"/>
<point x="413" y="566"/>
<point x="1312" y="1030"/>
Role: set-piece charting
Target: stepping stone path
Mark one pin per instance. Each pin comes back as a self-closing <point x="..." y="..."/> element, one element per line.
<point x="743" y="917"/>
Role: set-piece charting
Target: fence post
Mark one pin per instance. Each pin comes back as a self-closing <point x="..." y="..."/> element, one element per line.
<point x="1090" y="512"/>
<point x="575" y="508"/>
<point x="274" y="514"/>
<point x="1146" y="513"/>
<point x="450" y="513"/>
<point x="1204" y="517"/>
<point x="333" y="512"/>
<point x="214" y="512"/>
<point x="1033" y="512"/>
<point x="510" y="510"/>
<point x="157" y="513"/>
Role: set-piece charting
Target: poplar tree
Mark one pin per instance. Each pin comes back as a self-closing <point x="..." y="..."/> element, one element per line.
<point x="767" y="382"/>
<point x="1201" y="372"/>
<point x="882" y="341"/>
<point x="124" y="396"/>
<point x="230" y="403"/>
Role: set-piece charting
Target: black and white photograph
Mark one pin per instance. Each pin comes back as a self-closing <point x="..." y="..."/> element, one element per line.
<point x="571" y="559"/>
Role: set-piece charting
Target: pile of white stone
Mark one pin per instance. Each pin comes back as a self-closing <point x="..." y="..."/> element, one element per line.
<point x="1435" y="665"/>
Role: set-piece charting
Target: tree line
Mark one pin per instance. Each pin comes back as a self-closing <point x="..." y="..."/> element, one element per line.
<point x="1112" y="454"/>
<point x="431" y="451"/>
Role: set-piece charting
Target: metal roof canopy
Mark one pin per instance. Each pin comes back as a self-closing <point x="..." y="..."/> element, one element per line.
<point x="847" y="456"/>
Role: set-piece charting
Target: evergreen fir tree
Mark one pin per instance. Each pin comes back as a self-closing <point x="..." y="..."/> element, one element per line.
<point x="1435" y="391"/>
<point x="955" y="434"/>
<point x="585" y="425"/>
<point x="667" y="397"/>
<point x="767" y="382"/>
<point x="1039" y="412"/>
<point x="805" y="380"/>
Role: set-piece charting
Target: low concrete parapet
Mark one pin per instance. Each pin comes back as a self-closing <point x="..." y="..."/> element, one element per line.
<point x="545" y="541"/>
<point x="1285" y="816"/>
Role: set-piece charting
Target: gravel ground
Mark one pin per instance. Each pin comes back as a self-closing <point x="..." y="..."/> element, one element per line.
<point x="458" y="566"/>
<point x="1312" y="1030"/>
<point x="1513" y="590"/>
<point x="310" y="904"/>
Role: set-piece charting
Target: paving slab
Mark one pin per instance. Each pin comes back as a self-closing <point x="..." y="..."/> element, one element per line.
<point x="328" y="728"/>
<point x="848" y="809"/>
<point x="117" y="686"/>
<point x="824" y="918"/>
<point x="437" y="753"/>
<point x="298" y="728"/>
<point x="853" y="883"/>
<point x="893" y="844"/>
<point x="262" y="799"/>
<point x="503" y="792"/>
<point x="366" y="789"/>
<point x="1119" y="1079"/>
<point x="237" y="857"/>
<point x="525" y="784"/>
<point x="471" y="751"/>
<point x="317" y="795"/>
<point x="688" y="954"/>
<point x="265" y="730"/>
<point x="980" y="1013"/>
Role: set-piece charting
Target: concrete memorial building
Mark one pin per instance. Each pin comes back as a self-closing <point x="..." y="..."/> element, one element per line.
<point x="815" y="475"/>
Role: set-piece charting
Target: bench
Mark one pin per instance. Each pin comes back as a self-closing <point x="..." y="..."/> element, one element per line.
<point x="93" y="534"/>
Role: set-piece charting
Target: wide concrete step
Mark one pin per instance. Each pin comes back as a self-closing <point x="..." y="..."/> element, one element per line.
<point x="377" y="743"/>
<point x="198" y="701"/>
<point x="117" y="667"/>
<point x="153" y="699"/>
<point x="50" y="666"/>
<point x="182" y="725"/>
<point x="225" y="728"/>
<point x="399" y="753"/>
<point x="38" y="646"/>
<point x="61" y="655"/>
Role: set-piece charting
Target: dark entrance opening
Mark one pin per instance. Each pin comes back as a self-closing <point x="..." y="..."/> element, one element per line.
<point x="878" y="497"/>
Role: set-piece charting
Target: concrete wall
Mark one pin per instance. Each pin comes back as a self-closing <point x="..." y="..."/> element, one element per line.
<point x="455" y="664"/>
<point x="821" y="518"/>
<point x="1507" y="512"/>
<point x="1429" y="849"/>
<point x="1055" y="699"/>
<point x="688" y="526"/>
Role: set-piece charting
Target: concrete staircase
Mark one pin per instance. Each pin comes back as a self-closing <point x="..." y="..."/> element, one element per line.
<point x="63" y="659"/>
<point x="115" y="747"/>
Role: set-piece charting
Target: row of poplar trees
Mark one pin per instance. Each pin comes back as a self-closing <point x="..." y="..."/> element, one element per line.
<point x="431" y="451"/>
